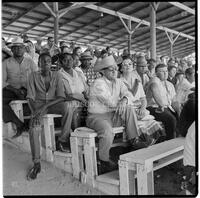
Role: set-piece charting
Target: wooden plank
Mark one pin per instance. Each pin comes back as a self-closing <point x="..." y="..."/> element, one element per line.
<point x="109" y="178"/>
<point x="75" y="157"/>
<point x="155" y="152"/>
<point x="107" y="188"/>
<point x="144" y="181"/>
<point x="168" y="160"/>
<point x="48" y="126"/>
<point x="123" y="178"/>
<point x="52" y="116"/>
<point x="90" y="160"/>
<point x="132" y="182"/>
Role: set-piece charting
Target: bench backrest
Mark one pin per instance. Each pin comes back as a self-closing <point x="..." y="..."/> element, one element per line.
<point x="155" y="152"/>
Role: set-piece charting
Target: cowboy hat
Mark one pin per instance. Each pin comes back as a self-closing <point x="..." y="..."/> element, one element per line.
<point x="86" y="56"/>
<point x="17" y="42"/>
<point x="105" y="63"/>
<point x="141" y="60"/>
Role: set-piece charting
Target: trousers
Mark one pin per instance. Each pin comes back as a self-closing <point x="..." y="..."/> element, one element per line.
<point x="168" y="118"/>
<point x="8" y="114"/>
<point x="103" y="124"/>
<point x="70" y="114"/>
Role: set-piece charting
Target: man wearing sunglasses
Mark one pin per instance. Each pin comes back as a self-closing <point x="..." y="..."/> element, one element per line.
<point x="108" y="108"/>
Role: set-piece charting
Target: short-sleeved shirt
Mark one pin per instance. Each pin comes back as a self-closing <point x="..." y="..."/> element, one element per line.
<point x="73" y="84"/>
<point x="16" y="74"/>
<point x="91" y="75"/>
<point x="183" y="90"/>
<point x="36" y="89"/>
<point x="166" y="90"/>
<point x="105" y="95"/>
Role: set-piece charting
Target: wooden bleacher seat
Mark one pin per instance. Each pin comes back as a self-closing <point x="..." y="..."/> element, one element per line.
<point x="143" y="162"/>
<point x="48" y="139"/>
<point x="83" y="150"/>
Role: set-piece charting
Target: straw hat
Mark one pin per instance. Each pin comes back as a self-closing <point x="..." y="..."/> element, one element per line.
<point x="141" y="60"/>
<point x="86" y="56"/>
<point x="105" y="63"/>
<point x="17" y="42"/>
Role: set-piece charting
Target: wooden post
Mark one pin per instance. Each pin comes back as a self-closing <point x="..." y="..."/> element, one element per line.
<point x="153" y="29"/>
<point x="171" y="45"/>
<point x="129" y="36"/>
<point x="56" y="20"/>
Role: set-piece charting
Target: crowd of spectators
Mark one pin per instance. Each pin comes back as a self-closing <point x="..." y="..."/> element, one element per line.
<point x="114" y="89"/>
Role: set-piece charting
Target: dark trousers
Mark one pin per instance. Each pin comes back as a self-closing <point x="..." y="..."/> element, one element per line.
<point x="8" y="114"/>
<point x="168" y="118"/>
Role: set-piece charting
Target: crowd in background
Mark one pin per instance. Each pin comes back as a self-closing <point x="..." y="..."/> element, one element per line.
<point x="162" y="88"/>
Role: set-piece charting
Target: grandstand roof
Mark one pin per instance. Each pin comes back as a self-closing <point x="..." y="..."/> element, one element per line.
<point x="99" y="24"/>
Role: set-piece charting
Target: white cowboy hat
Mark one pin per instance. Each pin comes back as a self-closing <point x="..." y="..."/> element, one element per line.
<point x="17" y="41"/>
<point x="105" y="63"/>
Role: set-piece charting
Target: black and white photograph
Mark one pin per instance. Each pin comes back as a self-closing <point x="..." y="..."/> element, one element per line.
<point x="99" y="98"/>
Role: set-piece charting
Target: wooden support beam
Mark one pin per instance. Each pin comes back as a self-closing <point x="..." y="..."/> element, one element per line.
<point x="68" y="21"/>
<point x="171" y="45"/>
<point x="72" y="7"/>
<point x="129" y="36"/>
<point x="143" y="39"/>
<point x="159" y="13"/>
<point x="114" y="13"/>
<point x="153" y="30"/>
<point x="56" y="20"/>
<point x="23" y="14"/>
<point x="97" y="29"/>
<point x="48" y="8"/>
<point x="183" y="7"/>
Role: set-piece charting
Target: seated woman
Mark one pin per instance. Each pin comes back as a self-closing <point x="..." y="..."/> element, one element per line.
<point x="135" y="87"/>
<point x="75" y="87"/>
<point x="138" y="99"/>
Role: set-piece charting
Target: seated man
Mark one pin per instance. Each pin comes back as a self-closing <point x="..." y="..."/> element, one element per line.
<point x="75" y="87"/>
<point x="16" y="70"/>
<point x="87" y="69"/>
<point x="171" y="74"/>
<point x="142" y="70"/>
<point x="46" y="95"/>
<point x="108" y="108"/>
<point x="160" y="95"/>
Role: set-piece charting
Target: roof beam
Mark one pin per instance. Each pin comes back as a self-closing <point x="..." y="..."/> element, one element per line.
<point x="50" y="9"/>
<point x="72" y="7"/>
<point x="183" y="7"/>
<point x="146" y="32"/>
<point x="110" y="23"/>
<point x="23" y="14"/>
<point x="36" y="24"/>
<point x="97" y="29"/>
<point x="114" y="13"/>
<point x="140" y="36"/>
<point x="68" y="21"/>
<point x="183" y="53"/>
